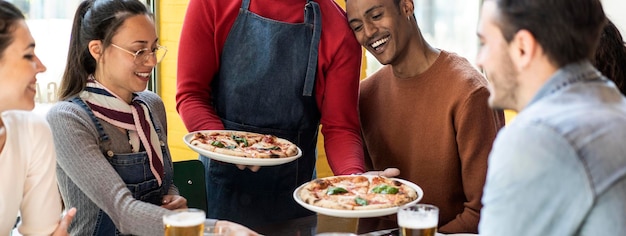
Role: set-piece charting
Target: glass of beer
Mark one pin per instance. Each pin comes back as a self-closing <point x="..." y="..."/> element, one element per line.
<point x="184" y="222"/>
<point x="215" y="230"/>
<point x="418" y="220"/>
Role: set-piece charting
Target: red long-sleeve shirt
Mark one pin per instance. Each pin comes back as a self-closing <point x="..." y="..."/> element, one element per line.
<point x="204" y="32"/>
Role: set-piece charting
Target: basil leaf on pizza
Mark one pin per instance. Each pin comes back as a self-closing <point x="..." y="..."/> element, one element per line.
<point x="240" y="140"/>
<point x="385" y="189"/>
<point x="217" y="144"/>
<point x="336" y="190"/>
<point x="360" y="201"/>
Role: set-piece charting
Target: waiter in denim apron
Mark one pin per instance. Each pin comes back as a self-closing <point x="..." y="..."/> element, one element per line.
<point x="274" y="63"/>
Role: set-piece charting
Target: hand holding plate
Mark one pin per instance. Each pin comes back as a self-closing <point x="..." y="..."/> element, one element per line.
<point x="252" y="168"/>
<point x="389" y="172"/>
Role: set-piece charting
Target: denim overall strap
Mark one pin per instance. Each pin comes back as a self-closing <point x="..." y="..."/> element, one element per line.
<point x="265" y="85"/>
<point x="133" y="168"/>
<point x="102" y="136"/>
<point x="313" y="14"/>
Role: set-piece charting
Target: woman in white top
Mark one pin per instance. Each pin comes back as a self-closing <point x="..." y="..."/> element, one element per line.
<point x="27" y="155"/>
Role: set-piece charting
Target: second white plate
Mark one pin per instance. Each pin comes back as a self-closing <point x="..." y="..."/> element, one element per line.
<point x="357" y="213"/>
<point x="238" y="160"/>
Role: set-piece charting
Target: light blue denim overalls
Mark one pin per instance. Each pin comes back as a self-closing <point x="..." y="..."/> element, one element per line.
<point x="266" y="85"/>
<point x="134" y="169"/>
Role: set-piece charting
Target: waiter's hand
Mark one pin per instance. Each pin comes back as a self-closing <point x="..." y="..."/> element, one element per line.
<point x="173" y="202"/>
<point x="389" y="172"/>
<point x="236" y="229"/>
<point x="252" y="168"/>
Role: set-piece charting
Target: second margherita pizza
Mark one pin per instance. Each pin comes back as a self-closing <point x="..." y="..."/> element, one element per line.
<point x="357" y="192"/>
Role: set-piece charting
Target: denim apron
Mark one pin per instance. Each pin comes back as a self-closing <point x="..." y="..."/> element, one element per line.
<point x="134" y="169"/>
<point x="265" y="85"/>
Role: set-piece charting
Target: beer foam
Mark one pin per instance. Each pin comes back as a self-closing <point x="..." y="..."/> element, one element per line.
<point x="184" y="219"/>
<point x="424" y="223"/>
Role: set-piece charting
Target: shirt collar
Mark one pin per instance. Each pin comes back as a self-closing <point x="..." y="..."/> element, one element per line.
<point x="566" y="76"/>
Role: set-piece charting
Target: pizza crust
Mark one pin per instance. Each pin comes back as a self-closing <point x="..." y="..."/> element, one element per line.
<point x="203" y="145"/>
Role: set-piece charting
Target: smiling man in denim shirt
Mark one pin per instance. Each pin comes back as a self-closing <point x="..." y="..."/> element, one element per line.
<point x="560" y="167"/>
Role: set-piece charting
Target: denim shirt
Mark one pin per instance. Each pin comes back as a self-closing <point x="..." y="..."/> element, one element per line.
<point x="560" y="167"/>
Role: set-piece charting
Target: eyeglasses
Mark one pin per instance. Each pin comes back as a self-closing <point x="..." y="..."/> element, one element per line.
<point x="141" y="56"/>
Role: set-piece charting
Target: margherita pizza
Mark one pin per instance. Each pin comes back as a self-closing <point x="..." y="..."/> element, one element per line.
<point x="244" y="144"/>
<point x="357" y="192"/>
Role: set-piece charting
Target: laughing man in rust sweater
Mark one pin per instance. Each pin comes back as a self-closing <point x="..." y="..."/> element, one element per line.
<point x="425" y="112"/>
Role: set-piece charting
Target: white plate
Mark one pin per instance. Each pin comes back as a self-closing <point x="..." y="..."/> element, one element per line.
<point x="235" y="159"/>
<point x="357" y="213"/>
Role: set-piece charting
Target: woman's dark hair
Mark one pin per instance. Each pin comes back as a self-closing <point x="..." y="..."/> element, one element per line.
<point x="9" y="14"/>
<point x="567" y="30"/>
<point x="94" y="20"/>
<point x="610" y="56"/>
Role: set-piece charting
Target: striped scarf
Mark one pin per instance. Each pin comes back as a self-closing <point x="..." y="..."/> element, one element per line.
<point x="134" y="117"/>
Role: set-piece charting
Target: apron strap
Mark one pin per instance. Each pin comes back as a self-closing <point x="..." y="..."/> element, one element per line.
<point x="313" y="14"/>
<point x="245" y="4"/>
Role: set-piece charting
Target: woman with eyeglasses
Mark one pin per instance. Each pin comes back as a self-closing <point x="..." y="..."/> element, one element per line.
<point x="27" y="158"/>
<point x="110" y="133"/>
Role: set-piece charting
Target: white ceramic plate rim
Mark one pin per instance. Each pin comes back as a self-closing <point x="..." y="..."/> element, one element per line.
<point x="235" y="159"/>
<point x="357" y="213"/>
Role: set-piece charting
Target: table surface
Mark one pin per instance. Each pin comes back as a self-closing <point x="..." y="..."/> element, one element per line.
<point x="310" y="225"/>
<point x="315" y="224"/>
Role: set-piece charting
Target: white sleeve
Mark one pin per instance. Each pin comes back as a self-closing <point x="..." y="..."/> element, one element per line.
<point x="41" y="205"/>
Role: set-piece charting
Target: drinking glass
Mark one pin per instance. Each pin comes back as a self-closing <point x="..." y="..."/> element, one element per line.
<point x="215" y="230"/>
<point x="184" y="222"/>
<point x="418" y="220"/>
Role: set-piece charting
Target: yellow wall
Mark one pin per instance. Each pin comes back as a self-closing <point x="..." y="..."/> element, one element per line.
<point x="170" y="14"/>
<point x="509" y="115"/>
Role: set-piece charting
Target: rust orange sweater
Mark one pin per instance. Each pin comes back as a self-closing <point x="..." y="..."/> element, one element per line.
<point x="437" y="128"/>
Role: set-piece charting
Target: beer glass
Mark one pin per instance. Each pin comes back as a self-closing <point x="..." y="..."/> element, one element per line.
<point x="184" y="222"/>
<point x="215" y="230"/>
<point x="418" y="220"/>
